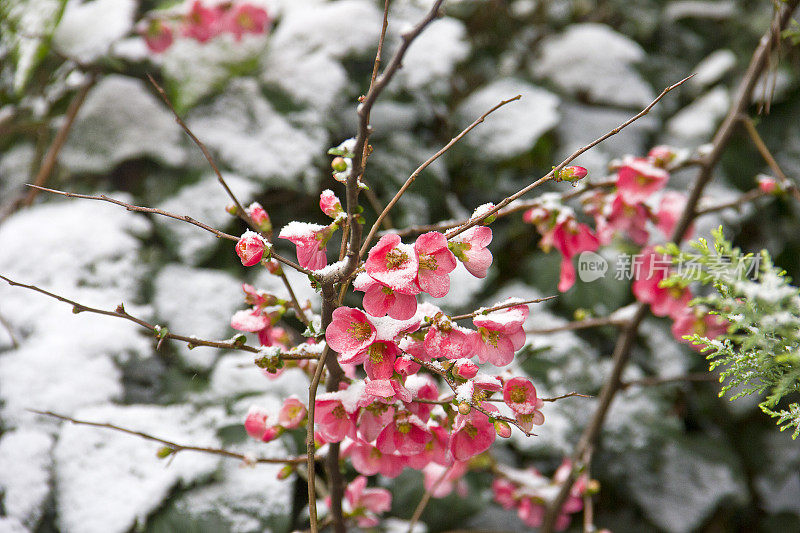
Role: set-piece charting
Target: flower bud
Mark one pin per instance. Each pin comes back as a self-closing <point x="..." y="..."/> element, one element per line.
<point x="231" y="209"/>
<point x="572" y="174"/>
<point x="250" y="248"/>
<point x="502" y="429"/>
<point x="164" y="452"/>
<point x="330" y="204"/>
<point x="285" y="472"/>
<point x="260" y="217"/>
<point x="339" y="164"/>
<point x="465" y="368"/>
<point x="464" y="408"/>
<point x="768" y="185"/>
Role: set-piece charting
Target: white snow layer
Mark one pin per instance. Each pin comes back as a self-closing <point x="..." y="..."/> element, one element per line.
<point x="108" y="481"/>
<point x="252" y="138"/>
<point x="25" y="474"/>
<point x="593" y="60"/>
<point x="697" y="121"/>
<point x="110" y="129"/>
<point x="84" y="251"/>
<point x="197" y="302"/>
<point x="205" y="201"/>
<point x="432" y="57"/>
<point x="514" y="128"/>
<point x="88" y="29"/>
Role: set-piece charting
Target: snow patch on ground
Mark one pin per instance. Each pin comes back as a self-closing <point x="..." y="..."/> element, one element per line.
<point x="108" y="481"/>
<point x="514" y="128"/>
<point x="25" y="474"/>
<point x="595" y="61"/>
<point x="197" y="302"/>
<point x="432" y="57"/>
<point x="88" y="29"/>
<point x="110" y="129"/>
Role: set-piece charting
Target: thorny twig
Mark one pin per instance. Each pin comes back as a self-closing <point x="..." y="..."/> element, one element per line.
<point x="174" y="446"/>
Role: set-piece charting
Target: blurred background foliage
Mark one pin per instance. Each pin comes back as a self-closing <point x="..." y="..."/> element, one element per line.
<point x="672" y="458"/>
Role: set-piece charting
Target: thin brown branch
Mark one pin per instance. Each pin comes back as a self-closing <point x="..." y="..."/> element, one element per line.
<point x="627" y="338"/>
<point x="423" y="503"/>
<point x="550" y="175"/>
<point x="240" y="210"/>
<point x="161" y="332"/>
<point x="487" y="310"/>
<point x="659" y="380"/>
<point x="174" y="446"/>
<point x="27" y="197"/>
<point x="301" y="315"/>
<point x="762" y="149"/>
<point x="364" y="109"/>
<point x="310" y="446"/>
<point x="581" y="324"/>
<point x="182" y="218"/>
<point x="425" y="165"/>
<point x="741" y="201"/>
<point x="10" y="331"/>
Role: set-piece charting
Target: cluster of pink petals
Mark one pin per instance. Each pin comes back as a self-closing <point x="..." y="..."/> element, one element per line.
<point x="311" y="241"/>
<point x="203" y="23"/>
<point x="698" y="321"/>
<point x="260" y="218"/>
<point x="500" y="334"/>
<point x="530" y="492"/>
<point x="366" y="504"/>
<point x="470" y="248"/>
<point x="330" y="205"/>
<point x="519" y="394"/>
<point x="257" y="423"/>
<point x="250" y="248"/>
<point x="260" y="318"/>
<point x="650" y="269"/>
<point x="571" y="237"/>
<point x="638" y="178"/>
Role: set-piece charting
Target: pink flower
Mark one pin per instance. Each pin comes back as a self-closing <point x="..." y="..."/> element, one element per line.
<point x="571" y="238"/>
<point x="368" y="460"/>
<point x="624" y="217"/>
<point x="406" y="435"/>
<point x="245" y="18"/>
<point x="330" y="204"/>
<point x="250" y="248"/>
<point x="366" y="503"/>
<point x="503" y="491"/>
<point x="259" y="217"/>
<point x="768" y="185"/>
<point x="311" y="241"/>
<point x="422" y="387"/>
<point x="440" y="480"/>
<point x="520" y="395"/>
<point x="500" y="334"/>
<point x="531" y="513"/>
<point x="379" y="363"/>
<point x="472" y="434"/>
<point x="387" y="390"/>
<point x="669" y="211"/>
<point x="470" y="248"/>
<point x="335" y="423"/>
<point x="436" y="262"/>
<point x="350" y="333"/>
<point x="292" y="413"/>
<point x="435" y="450"/>
<point x="697" y="321"/>
<point x="157" y="35"/>
<point x="650" y="269"/>
<point x="449" y="341"/>
<point x="638" y="178"/>
<point x="373" y="418"/>
<point x="201" y="23"/>
<point x="465" y="368"/>
<point x="394" y="264"/>
<point x="256" y="425"/>
<point x="380" y="299"/>
<point x="527" y="422"/>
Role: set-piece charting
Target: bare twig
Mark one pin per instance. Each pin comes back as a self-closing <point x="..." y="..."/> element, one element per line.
<point x="425" y="165"/>
<point x="626" y="339"/>
<point x="182" y="218"/>
<point x="550" y="175"/>
<point x="240" y="210"/>
<point x="8" y="328"/>
<point x="658" y="380"/>
<point x="494" y="308"/>
<point x="425" y="499"/>
<point x="449" y="399"/>
<point x="174" y="446"/>
<point x="51" y="158"/>
<point x="160" y="331"/>
<point x="580" y="324"/>
<point x="787" y="184"/>
<point x="310" y="446"/>
<point x="741" y="201"/>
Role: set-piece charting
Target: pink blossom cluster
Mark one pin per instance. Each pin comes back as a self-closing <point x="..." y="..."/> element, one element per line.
<point x="388" y="421"/>
<point x="529" y="492"/>
<point x="262" y="425"/>
<point x="261" y="317"/>
<point x="203" y="22"/>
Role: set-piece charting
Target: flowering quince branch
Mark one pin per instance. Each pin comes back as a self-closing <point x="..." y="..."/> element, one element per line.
<point x="171" y="448"/>
<point x="425" y="165"/>
<point x="553" y="173"/>
<point x="626" y="339"/>
<point x="237" y="343"/>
